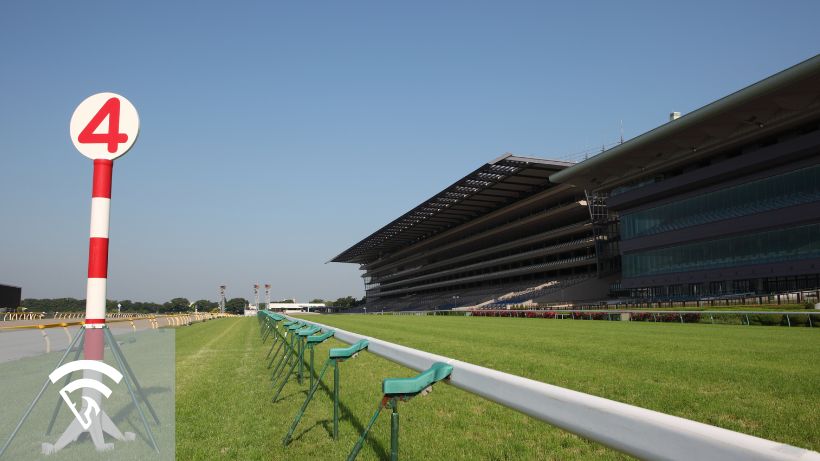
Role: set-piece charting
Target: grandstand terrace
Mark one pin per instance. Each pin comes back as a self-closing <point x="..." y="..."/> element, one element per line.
<point x="503" y="234"/>
<point x="724" y="200"/>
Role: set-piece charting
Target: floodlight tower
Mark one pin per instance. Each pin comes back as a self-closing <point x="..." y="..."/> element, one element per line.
<point x="222" y="299"/>
<point x="267" y="296"/>
<point x="256" y="294"/>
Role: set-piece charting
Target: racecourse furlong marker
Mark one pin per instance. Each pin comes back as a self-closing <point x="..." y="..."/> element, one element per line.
<point x="103" y="128"/>
<point x="118" y="137"/>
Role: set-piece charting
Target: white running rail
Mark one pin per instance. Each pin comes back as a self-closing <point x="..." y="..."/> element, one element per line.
<point x="642" y="433"/>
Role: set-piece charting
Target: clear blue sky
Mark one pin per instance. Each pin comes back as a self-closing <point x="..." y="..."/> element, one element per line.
<point x="276" y="134"/>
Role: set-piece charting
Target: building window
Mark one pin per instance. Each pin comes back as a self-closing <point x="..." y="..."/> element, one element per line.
<point x="794" y="243"/>
<point x="787" y="189"/>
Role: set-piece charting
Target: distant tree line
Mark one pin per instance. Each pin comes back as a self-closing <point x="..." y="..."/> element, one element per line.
<point x="235" y="305"/>
<point x="342" y="303"/>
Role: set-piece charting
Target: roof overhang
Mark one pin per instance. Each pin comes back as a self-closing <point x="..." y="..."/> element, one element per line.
<point x="787" y="98"/>
<point x="496" y="184"/>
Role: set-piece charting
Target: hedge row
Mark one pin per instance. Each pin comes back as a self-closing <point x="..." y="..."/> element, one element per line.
<point x="689" y="317"/>
<point x="728" y="318"/>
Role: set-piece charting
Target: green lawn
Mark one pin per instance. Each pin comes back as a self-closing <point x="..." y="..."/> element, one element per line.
<point x="759" y="380"/>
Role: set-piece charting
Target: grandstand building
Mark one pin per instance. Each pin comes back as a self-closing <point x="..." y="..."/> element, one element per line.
<point x="723" y="200"/>
<point x="503" y="233"/>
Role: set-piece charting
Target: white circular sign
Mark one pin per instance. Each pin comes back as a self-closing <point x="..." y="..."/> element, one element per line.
<point x="104" y="126"/>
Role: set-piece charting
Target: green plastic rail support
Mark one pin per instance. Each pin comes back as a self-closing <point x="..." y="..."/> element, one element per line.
<point x="394" y="430"/>
<point x="360" y="442"/>
<point x="302" y="409"/>
<point x="336" y="377"/>
<point x="282" y="342"/>
<point x="301" y="343"/>
<point x="350" y="351"/>
<point x="282" y="360"/>
<point x="276" y="335"/>
<point x="288" y="350"/>
<point x="268" y="323"/>
<point x="340" y="354"/>
<point x="284" y="381"/>
<point x="303" y="334"/>
<point x="296" y="355"/>
<point x="262" y="319"/>
<point x="312" y="341"/>
<point x="271" y="328"/>
<point x="276" y="319"/>
<point x="416" y="384"/>
<point x="278" y="338"/>
<point x="396" y="389"/>
<point x="335" y="357"/>
<point x="264" y="327"/>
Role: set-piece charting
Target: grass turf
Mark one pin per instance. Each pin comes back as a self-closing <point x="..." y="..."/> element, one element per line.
<point x="757" y="380"/>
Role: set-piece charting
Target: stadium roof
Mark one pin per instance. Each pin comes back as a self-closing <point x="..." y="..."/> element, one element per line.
<point x="787" y="98"/>
<point x="496" y="184"/>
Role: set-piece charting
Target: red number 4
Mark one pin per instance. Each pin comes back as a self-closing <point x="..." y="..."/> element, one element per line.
<point x="110" y="109"/>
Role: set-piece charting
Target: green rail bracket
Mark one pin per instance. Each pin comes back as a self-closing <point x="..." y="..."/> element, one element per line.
<point x="342" y="353"/>
<point x="289" y="350"/>
<point x="302" y="338"/>
<point x="402" y="389"/>
<point x="292" y="351"/>
<point x="277" y="338"/>
<point x="264" y="324"/>
<point x="301" y="344"/>
<point x="270" y="325"/>
<point x="335" y="357"/>
<point x="281" y="340"/>
<point x="312" y="330"/>
<point x="312" y="341"/>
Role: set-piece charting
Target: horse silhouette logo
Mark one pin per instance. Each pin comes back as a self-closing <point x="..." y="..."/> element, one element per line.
<point x="92" y="408"/>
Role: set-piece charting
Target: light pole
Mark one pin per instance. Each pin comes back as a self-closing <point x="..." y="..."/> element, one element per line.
<point x="455" y="300"/>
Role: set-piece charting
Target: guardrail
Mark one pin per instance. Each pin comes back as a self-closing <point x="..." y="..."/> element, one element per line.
<point x="153" y="323"/>
<point x="786" y="318"/>
<point x="808" y="318"/>
<point x="170" y="321"/>
<point x="637" y="431"/>
<point x="10" y="316"/>
<point x="23" y="316"/>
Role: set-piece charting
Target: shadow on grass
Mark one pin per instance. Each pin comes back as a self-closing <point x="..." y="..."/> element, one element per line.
<point x="128" y="410"/>
<point x="324" y="423"/>
<point x="281" y="365"/>
<point x="345" y="415"/>
<point x="270" y="358"/>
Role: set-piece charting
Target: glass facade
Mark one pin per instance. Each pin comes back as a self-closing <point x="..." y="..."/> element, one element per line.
<point x="765" y="247"/>
<point x="792" y="188"/>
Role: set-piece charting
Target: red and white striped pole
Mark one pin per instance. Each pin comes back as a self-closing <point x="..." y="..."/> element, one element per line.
<point x="98" y="259"/>
<point x="103" y="127"/>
